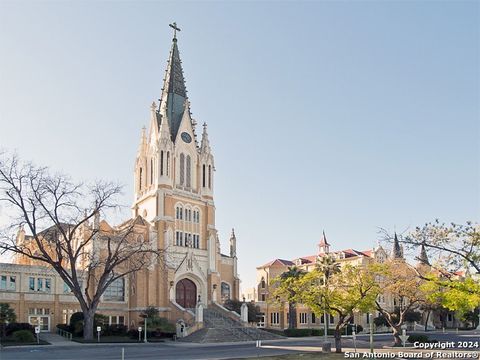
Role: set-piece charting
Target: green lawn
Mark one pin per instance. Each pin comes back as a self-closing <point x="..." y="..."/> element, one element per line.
<point x="114" y="339"/>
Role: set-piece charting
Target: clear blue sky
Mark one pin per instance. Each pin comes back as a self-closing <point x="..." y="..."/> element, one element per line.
<point x="336" y="116"/>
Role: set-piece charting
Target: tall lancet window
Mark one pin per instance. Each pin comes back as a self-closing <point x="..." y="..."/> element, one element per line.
<point x="140" y="175"/>
<point x="209" y="176"/>
<point x="189" y="171"/>
<point x="168" y="162"/>
<point x="161" y="163"/>
<point x="151" y="171"/>
<point x="182" y="169"/>
<point x="203" y="175"/>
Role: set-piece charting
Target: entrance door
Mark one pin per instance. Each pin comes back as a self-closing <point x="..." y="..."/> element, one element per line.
<point x="186" y="293"/>
<point x="42" y="321"/>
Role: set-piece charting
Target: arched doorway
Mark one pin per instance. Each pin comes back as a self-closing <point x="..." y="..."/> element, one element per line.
<point x="186" y="293"/>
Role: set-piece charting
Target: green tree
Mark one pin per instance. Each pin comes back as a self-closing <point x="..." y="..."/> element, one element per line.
<point x="340" y="292"/>
<point x="461" y="295"/>
<point x="285" y="291"/>
<point x="7" y="315"/>
<point x="236" y="305"/>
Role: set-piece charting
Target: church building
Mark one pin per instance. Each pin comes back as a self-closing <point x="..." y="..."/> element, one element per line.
<point x="174" y="186"/>
<point x="173" y="207"/>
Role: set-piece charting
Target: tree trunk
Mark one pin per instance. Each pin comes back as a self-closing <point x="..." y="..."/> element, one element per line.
<point x="88" y="320"/>
<point x="396" y="335"/>
<point x="292" y="316"/>
<point x="426" y="320"/>
<point x="338" y="339"/>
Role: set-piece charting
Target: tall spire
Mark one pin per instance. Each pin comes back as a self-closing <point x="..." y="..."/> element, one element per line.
<point x="397" y="252"/>
<point x="174" y="92"/>
<point x="423" y="257"/>
<point x="205" y="144"/>
<point x="323" y="245"/>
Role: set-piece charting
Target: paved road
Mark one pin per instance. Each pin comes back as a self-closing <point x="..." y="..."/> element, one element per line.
<point x="185" y="351"/>
<point x="140" y="351"/>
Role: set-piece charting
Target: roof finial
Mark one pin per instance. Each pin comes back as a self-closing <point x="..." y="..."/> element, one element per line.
<point x="175" y="29"/>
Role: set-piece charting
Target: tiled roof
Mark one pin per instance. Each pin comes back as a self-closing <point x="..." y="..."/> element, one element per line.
<point x="277" y="262"/>
<point x="311" y="259"/>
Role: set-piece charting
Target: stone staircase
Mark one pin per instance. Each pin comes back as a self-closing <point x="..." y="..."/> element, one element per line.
<point x="218" y="327"/>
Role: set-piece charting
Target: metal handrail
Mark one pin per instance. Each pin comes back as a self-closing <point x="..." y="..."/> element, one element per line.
<point x="65" y="334"/>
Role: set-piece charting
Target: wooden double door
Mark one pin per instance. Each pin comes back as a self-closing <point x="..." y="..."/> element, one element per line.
<point x="186" y="293"/>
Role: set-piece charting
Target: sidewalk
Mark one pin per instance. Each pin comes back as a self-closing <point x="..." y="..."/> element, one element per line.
<point x="57" y="340"/>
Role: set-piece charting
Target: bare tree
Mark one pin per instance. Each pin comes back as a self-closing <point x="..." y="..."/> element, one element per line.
<point x="455" y="246"/>
<point x="62" y="219"/>
<point x="402" y="287"/>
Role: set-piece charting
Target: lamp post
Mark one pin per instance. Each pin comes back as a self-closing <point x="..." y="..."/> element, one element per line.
<point x="145" y="335"/>
<point x="371" y="331"/>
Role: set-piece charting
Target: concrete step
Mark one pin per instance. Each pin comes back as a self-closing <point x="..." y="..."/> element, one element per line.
<point x="220" y="328"/>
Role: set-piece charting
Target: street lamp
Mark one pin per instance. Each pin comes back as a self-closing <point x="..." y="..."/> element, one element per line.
<point x="370" y="317"/>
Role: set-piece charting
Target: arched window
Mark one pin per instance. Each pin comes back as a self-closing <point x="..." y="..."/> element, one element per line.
<point x="203" y="175"/>
<point x="262" y="283"/>
<point x="161" y="163"/>
<point x="182" y="169"/>
<point x="209" y="176"/>
<point x="115" y="291"/>
<point x="140" y="176"/>
<point x="189" y="171"/>
<point x="225" y="292"/>
<point x="168" y="162"/>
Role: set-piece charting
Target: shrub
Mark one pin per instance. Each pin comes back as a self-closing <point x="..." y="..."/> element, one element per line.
<point x="419" y="338"/>
<point x="133" y="334"/>
<point x="115" y="330"/>
<point x="64" y="327"/>
<point x="351" y="327"/>
<point x="24" y="336"/>
<point x="12" y="327"/>
<point x="298" y="332"/>
<point x="76" y="323"/>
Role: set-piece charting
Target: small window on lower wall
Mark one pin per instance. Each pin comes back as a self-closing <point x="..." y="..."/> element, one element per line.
<point x="303" y="318"/>
<point x="313" y="318"/>
<point x="275" y="318"/>
<point x="116" y="320"/>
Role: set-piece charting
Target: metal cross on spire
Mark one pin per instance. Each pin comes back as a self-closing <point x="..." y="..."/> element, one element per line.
<point x="175" y="29"/>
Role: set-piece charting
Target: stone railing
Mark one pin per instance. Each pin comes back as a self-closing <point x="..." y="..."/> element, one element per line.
<point x="224" y="311"/>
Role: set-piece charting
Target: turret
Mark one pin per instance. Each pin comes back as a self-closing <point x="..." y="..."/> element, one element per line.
<point x="233" y="245"/>
<point x="397" y="252"/>
<point x="323" y="245"/>
<point x="423" y="257"/>
<point x="207" y="167"/>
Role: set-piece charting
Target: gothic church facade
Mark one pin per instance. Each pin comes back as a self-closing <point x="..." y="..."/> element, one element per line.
<point x="173" y="207"/>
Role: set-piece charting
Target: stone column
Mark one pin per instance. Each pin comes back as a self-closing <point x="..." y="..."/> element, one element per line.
<point x="199" y="313"/>
<point x="244" y="313"/>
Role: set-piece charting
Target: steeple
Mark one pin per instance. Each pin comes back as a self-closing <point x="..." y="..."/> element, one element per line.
<point x="397" y="252"/>
<point x="323" y="245"/>
<point x="205" y="144"/>
<point x="423" y="257"/>
<point x="174" y="92"/>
